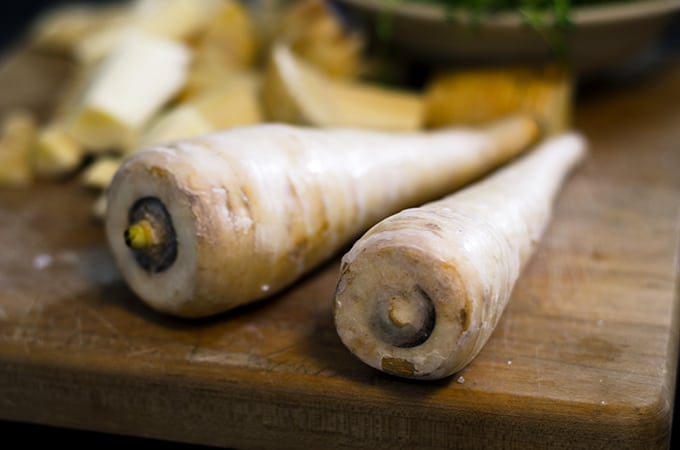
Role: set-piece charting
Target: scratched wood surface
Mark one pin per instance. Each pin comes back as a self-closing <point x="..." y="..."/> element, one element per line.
<point x="584" y="357"/>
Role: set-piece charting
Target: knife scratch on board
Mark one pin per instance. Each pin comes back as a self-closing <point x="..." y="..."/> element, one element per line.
<point x="102" y="319"/>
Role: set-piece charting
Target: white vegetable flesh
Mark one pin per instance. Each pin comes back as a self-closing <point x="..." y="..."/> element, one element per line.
<point x="135" y="80"/>
<point x="421" y="292"/>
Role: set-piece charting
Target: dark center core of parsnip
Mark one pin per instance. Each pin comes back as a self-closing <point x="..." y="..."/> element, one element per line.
<point x="406" y="320"/>
<point x="161" y="252"/>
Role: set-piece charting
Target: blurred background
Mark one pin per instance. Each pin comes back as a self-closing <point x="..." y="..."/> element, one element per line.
<point x="14" y="21"/>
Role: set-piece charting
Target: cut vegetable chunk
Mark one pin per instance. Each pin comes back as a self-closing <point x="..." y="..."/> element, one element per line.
<point x="129" y="87"/>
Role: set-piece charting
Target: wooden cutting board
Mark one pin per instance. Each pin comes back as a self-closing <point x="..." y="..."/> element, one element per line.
<point x="584" y="357"/>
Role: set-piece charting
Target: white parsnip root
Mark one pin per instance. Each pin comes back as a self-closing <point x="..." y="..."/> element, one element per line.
<point x="421" y="292"/>
<point x="203" y="225"/>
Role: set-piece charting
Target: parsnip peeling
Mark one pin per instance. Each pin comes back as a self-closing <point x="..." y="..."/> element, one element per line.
<point x="421" y="292"/>
<point x="296" y="92"/>
<point x="239" y="215"/>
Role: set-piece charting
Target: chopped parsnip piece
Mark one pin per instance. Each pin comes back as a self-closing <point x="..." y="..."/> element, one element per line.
<point x="141" y="75"/>
<point x="17" y="132"/>
<point x="56" y="153"/>
<point x="99" y="174"/>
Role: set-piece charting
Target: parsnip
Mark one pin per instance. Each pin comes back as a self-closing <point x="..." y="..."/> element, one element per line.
<point x="297" y="92"/>
<point x="421" y="292"/>
<point x="131" y="85"/>
<point x="204" y="225"/>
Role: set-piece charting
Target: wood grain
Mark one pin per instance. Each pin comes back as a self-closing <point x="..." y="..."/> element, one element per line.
<point x="584" y="357"/>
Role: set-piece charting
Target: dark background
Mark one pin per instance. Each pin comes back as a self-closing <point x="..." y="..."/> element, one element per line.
<point x="16" y="14"/>
<point x="15" y="17"/>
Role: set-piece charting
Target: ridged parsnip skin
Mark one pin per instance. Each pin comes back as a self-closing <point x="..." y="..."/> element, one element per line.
<point x="421" y="292"/>
<point x="256" y="207"/>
